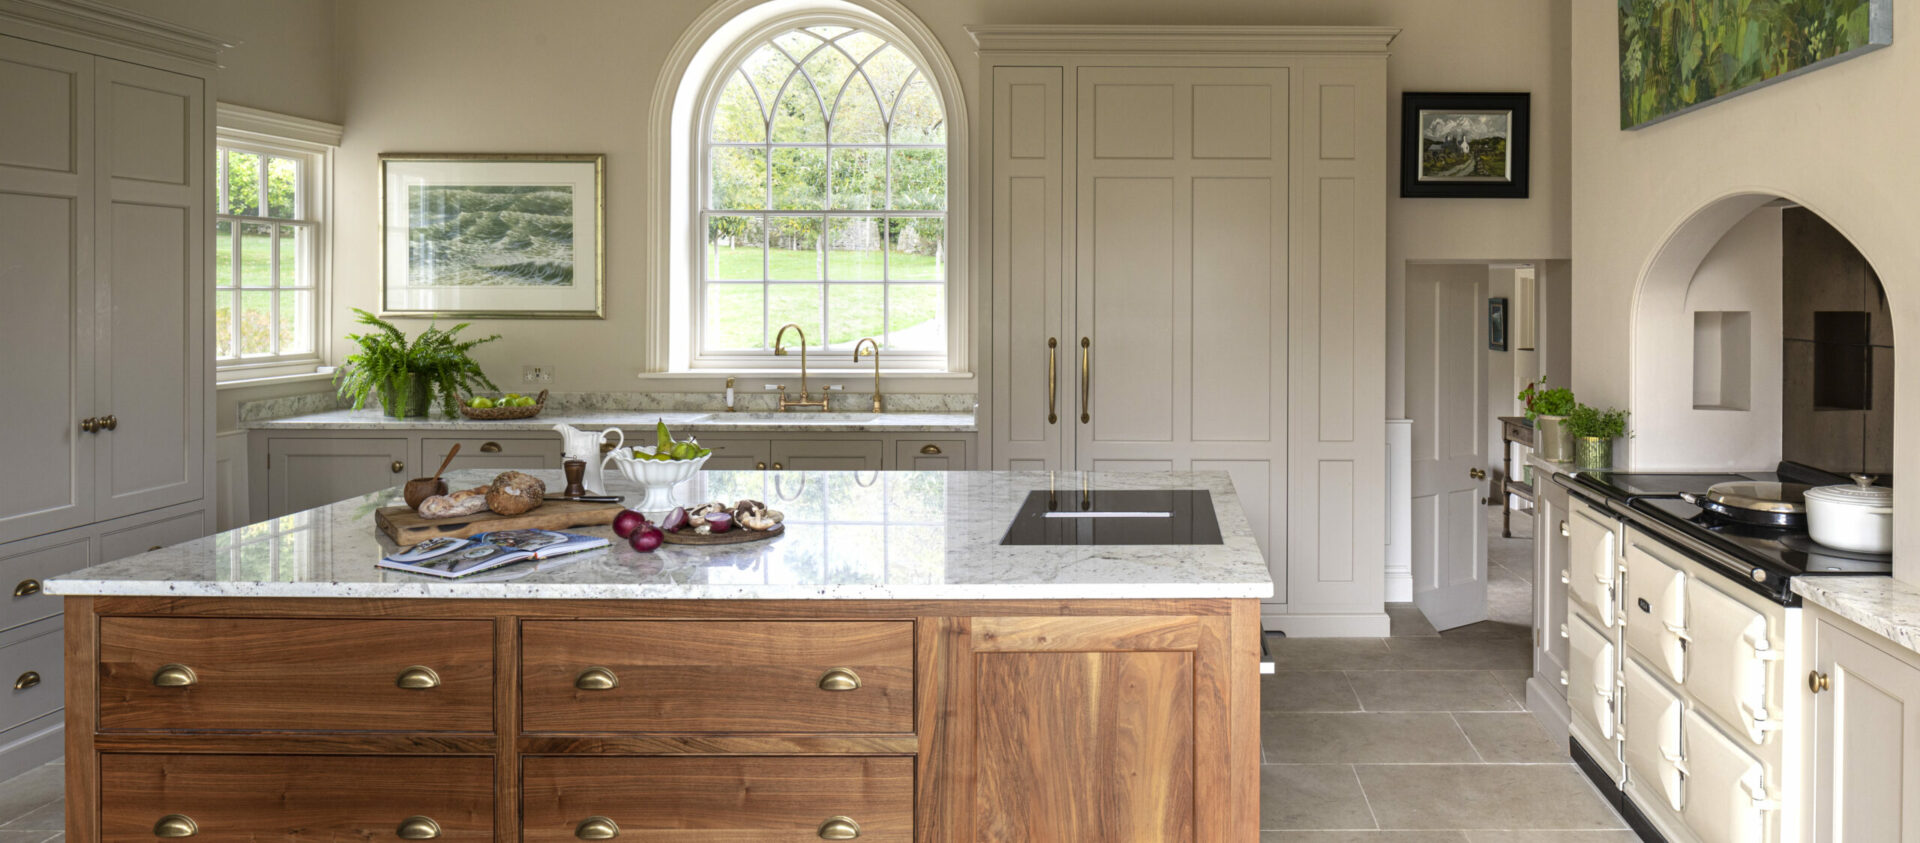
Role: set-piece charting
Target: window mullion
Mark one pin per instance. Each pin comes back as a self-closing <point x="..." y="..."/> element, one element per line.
<point x="273" y="298"/>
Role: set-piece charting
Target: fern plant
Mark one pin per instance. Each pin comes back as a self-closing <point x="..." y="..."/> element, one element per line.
<point x="409" y="375"/>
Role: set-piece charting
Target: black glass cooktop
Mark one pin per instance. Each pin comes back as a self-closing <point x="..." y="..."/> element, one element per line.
<point x="1115" y="516"/>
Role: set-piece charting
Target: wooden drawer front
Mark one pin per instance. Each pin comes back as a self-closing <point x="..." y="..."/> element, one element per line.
<point x="716" y="799"/>
<point x="32" y="674"/>
<point x="292" y="675"/>
<point x="253" y="798"/>
<point x="491" y="452"/>
<point x="686" y="676"/>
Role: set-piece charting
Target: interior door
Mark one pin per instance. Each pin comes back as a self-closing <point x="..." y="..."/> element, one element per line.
<point x="46" y="269"/>
<point x="1445" y="400"/>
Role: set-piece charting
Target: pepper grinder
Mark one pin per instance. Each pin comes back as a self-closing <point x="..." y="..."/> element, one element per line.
<point x="576" y="472"/>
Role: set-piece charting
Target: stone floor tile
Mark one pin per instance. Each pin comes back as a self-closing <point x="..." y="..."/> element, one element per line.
<point x="1549" y="836"/>
<point x="31" y="789"/>
<point x="1405" y="620"/>
<point x="1484" y="796"/>
<point x="1351" y="836"/>
<point x="1307" y="690"/>
<point x="1329" y="653"/>
<point x="1312" y="796"/>
<point x="1292" y="738"/>
<point x="1430" y="690"/>
<point x="1458" y="654"/>
<point x="1510" y="738"/>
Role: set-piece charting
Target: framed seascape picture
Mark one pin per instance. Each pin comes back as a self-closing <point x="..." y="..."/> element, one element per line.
<point x="1497" y="324"/>
<point x="1464" y="145"/>
<point x="498" y="236"/>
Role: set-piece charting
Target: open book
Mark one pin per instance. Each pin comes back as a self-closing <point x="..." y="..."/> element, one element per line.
<point x="449" y="557"/>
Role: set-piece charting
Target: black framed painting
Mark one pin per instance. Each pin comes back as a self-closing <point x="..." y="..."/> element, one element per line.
<point x="1464" y="145"/>
<point x="1497" y="324"/>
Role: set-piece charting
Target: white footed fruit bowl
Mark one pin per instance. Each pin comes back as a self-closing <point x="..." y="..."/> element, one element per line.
<point x="656" y="478"/>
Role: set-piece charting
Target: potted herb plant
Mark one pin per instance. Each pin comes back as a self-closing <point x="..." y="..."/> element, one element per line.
<point x="1548" y="410"/>
<point x="407" y="375"/>
<point x="1594" y="431"/>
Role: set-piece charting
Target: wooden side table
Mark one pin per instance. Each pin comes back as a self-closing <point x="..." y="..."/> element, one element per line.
<point x="1512" y="429"/>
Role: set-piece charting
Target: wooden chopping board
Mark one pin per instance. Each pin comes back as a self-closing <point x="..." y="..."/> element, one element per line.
<point x="407" y="528"/>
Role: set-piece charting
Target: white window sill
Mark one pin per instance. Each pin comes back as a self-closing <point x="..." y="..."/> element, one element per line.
<point x="812" y="372"/>
<point x="239" y="380"/>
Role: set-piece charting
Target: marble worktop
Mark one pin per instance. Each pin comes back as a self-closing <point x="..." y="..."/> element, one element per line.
<point x="638" y="421"/>
<point x="1883" y="605"/>
<point x="884" y="535"/>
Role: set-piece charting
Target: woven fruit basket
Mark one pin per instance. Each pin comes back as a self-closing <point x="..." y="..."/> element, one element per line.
<point x="504" y="413"/>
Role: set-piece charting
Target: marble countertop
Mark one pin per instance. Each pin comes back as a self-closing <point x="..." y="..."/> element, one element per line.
<point x="1882" y="604"/>
<point x="889" y="535"/>
<point x="698" y="421"/>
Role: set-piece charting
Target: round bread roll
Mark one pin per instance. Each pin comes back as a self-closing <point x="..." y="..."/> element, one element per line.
<point x="515" y="493"/>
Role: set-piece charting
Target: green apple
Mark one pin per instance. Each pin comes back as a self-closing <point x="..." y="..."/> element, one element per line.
<point x="480" y="402"/>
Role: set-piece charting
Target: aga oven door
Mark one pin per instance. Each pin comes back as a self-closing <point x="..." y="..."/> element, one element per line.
<point x="1736" y="652"/>
<point x="1592" y="662"/>
<point x="1651" y="735"/>
<point x="1729" y="799"/>
<point x="1656" y="606"/>
<point x="1593" y="561"/>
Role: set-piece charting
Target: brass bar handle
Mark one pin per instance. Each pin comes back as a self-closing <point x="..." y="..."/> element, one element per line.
<point x="597" y="828"/>
<point x="1086" y="379"/>
<point x="175" y="676"/>
<point x="176" y="825"/>
<point x="930" y="449"/>
<point x="108" y="422"/>
<point x="1817" y="682"/>
<point x="1053" y="371"/>
<point x="839" y="828"/>
<point x="27" y="680"/>
<point x="493" y="447"/>
<point x="398" y="466"/>
<point x="89" y="424"/>
<point x="418" y="828"/>
<point x="417" y="678"/>
<point x="840" y="679"/>
<point x="596" y="679"/>
<point x="27" y="588"/>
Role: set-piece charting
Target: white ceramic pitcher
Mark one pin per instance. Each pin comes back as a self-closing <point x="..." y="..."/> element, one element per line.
<point x="584" y="445"/>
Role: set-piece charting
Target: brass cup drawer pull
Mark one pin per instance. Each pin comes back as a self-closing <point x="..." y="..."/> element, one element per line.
<point x="176" y="825"/>
<point x="27" y="680"/>
<point x="930" y="449"/>
<point x="490" y="448"/>
<point x="175" y="676"/>
<point x="597" y="828"/>
<point x="418" y="828"/>
<point x="27" y="588"/>
<point x="840" y="679"/>
<point x="839" y="828"/>
<point x="596" y="679"/>
<point x="417" y="678"/>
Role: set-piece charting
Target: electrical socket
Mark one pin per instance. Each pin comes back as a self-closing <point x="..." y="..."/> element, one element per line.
<point x="536" y="374"/>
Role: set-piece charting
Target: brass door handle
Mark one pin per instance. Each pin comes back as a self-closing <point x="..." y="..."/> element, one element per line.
<point x="398" y="466"/>
<point x="930" y="449"/>
<point x="26" y="588"/>
<point x="493" y="447"/>
<point x="596" y="679"/>
<point x="760" y="466"/>
<point x="108" y="422"/>
<point x="1086" y="378"/>
<point x="27" y="680"/>
<point x="597" y="828"/>
<point x="418" y="678"/>
<point x="175" y="676"/>
<point x="839" y="828"/>
<point x="89" y="424"/>
<point x="840" y="679"/>
<point x="1817" y="682"/>
<point x="176" y="825"/>
<point x="1053" y="369"/>
<point x="418" y="828"/>
<point x="1477" y="473"/>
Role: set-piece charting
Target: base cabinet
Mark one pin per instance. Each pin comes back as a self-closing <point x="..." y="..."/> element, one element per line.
<point x="1866" y="735"/>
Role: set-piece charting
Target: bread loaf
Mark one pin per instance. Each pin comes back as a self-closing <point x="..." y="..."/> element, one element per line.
<point x="515" y="493"/>
<point x="464" y="502"/>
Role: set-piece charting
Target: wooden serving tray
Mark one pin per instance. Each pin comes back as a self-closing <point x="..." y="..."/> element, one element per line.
<point x="737" y="535"/>
<point x="407" y="528"/>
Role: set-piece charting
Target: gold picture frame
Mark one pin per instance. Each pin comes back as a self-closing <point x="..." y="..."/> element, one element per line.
<point x="492" y="235"/>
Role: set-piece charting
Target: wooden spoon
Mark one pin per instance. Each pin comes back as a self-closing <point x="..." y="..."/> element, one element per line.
<point x="455" y="451"/>
<point x="421" y="488"/>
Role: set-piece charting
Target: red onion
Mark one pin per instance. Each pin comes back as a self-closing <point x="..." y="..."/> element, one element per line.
<point x="647" y="538"/>
<point x="627" y="522"/>
<point x="719" y="522"/>
<point x="674" y="520"/>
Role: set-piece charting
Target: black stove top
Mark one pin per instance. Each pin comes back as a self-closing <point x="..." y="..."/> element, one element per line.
<point x="1116" y="516"/>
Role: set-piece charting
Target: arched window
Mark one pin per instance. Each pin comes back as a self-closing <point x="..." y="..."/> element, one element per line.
<point x="822" y="198"/>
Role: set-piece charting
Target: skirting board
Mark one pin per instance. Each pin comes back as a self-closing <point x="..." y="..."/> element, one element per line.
<point x="1549" y="707"/>
<point x="1328" y="626"/>
<point x="33" y="743"/>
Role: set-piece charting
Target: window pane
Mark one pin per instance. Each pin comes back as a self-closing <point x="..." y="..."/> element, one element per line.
<point x="283" y="177"/>
<point x="920" y="179"/>
<point x="296" y="322"/>
<point x="915" y="320"/>
<point x="733" y="248"/>
<point x="256" y="255"/>
<point x="888" y="69"/>
<point x="739" y="178"/>
<point x="854" y="249"/>
<point x="768" y="70"/>
<point x="859" y="179"/>
<point x="223" y="326"/>
<point x="858" y="44"/>
<point x="256" y="323"/>
<point x="795" y="303"/>
<point x="919" y="117"/>
<point x="793" y="249"/>
<point x="293" y="256"/>
<point x="856" y="119"/>
<point x="829" y="70"/>
<point x="738" y="115"/>
<point x="796" y="116"/>
<point x="917" y="249"/>
<point x="798" y="43"/>
<point x="223" y="254"/>
<point x="799" y="179"/>
<point x="243" y="183"/>
<point x="734" y="317"/>
<point x="855" y="310"/>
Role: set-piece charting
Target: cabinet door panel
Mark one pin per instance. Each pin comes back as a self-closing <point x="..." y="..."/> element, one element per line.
<point x="1866" y="765"/>
<point x="828" y="454"/>
<point x="1593" y="562"/>
<point x="168" y="529"/>
<point x="305" y="473"/>
<point x="1656" y="605"/>
<point x="1729" y="798"/>
<point x="1033" y="355"/>
<point x="737" y="454"/>
<point x="31" y="656"/>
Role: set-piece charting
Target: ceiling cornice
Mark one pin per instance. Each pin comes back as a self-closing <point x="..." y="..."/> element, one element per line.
<point x="120" y="26"/>
<point x="1066" y="38"/>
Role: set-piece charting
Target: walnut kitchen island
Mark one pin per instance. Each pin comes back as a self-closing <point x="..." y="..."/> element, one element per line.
<point x="887" y="670"/>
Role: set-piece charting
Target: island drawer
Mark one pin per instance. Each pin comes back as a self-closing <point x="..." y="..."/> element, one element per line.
<point x="296" y="675"/>
<point x="732" y="798"/>
<point x="292" y="798"/>
<point x="721" y="676"/>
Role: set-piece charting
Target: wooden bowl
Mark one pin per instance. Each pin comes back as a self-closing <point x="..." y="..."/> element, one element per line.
<point x="420" y="488"/>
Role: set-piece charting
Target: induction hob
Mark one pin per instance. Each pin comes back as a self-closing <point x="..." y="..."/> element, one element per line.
<point x="1115" y="516"/>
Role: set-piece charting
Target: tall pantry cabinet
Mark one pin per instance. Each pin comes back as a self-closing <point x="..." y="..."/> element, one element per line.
<point x="106" y="138"/>
<point x="1185" y="242"/>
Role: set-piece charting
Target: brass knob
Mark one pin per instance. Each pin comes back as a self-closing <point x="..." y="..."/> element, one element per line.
<point x="760" y="466"/>
<point x="27" y="588"/>
<point x="27" y="680"/>
<point x="398" y="466"/>
<point x="597" y="828"/>
<point x="1817" y="682"/>
<point x="839" y="828"/>
<point x="418" y="828"/>
<point x="89" y="424"/>
<point x="490" y="448"/>
<point x="1477" y="473"/>
<point x="596" y="679"/>
<point x="108" y="422"/>
<point x="840" y="679"/>
<point x="418" y="678"/>
<point x="776" y="466"/>
<point x="175" y="676"/>
<point x="930" y="449"/>
<point x="176" y="825"/>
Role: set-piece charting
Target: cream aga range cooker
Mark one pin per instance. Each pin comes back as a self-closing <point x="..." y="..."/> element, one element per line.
<point x="1684" y="674"/>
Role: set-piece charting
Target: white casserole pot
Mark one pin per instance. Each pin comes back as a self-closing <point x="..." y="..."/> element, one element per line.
<point x="1857" y="517"/>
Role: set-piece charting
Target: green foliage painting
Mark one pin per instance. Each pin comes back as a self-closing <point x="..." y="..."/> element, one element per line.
<point x="491" y="235"/>
<point x="1678" y="54"/>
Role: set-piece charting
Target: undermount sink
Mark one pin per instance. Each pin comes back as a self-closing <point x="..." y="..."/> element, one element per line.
<point x="792" y="417"/>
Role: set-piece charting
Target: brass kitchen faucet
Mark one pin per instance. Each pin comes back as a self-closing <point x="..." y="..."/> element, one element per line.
<point x="874" y="350"/>
<point x="779" y="350"/>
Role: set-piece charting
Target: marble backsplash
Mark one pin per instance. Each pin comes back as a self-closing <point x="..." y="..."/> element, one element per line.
<point x="568" y="402"/>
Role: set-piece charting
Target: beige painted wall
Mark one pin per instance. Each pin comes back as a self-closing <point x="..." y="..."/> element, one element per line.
<point x="1838" y="140"/>
<point x="282" y="58"/>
